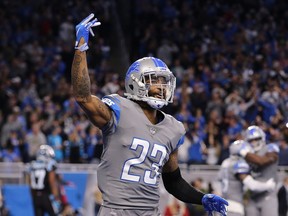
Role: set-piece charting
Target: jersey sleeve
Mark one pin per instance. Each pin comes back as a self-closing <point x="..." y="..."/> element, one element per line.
<point x="241" y="167"/>
<point x="181" y="141"/>
<point x="114" y="104"/>
<point x="180" y="132"/>
<point x="272" y="147"/>
<point x="51" y="165"/>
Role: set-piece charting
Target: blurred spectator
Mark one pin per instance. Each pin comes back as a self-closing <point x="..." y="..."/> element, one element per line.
<point x="74" y="148"/>
<point x="197" y="149"/>
<point x="66" y="30"/>
<point x="94" y="144"/>
<point x="34" y="139"/>
<point x="166" y="51"/>
<point x="10" y="154"/>
<point x="55" y="141"/>
<point x="11" y="125"/>
<point x="175" y="207"/>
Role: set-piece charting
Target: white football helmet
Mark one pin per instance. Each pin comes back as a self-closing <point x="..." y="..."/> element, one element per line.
<point x="256" y="137"/>
<point x="45" y="153"/>
<point x="147" y="72"/>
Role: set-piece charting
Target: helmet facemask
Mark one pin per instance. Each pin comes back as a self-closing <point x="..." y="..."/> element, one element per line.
<point x="257" y="143"/>
<point x="156" y="87"/>
<point x="256" y="137"/>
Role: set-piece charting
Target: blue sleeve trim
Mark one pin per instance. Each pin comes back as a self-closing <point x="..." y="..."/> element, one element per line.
<point x="114" y="106"/>
<point x="180" y="142"/>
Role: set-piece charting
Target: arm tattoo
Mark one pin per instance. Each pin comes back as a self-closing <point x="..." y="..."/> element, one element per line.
<point x="103" y="109"/>
<point x="80" y="79"/>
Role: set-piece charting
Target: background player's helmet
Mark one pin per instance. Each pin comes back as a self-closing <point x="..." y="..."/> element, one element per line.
<point x="142" y="74"/>
<point x="256" y="137"/>
<point x="45" y="153"/>
<point x="235" y="147"/>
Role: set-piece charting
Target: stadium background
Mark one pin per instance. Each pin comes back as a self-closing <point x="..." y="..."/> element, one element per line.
<point x="230" y="59"/>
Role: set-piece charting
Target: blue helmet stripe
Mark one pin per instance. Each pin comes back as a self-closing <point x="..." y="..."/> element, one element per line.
<point x="158" y="62"/>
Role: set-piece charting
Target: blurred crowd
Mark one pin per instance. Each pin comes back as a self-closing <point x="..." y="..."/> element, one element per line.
<point x="230" y="60"/>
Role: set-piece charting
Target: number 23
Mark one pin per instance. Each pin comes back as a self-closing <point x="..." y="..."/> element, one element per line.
<point x="149" y="178"/>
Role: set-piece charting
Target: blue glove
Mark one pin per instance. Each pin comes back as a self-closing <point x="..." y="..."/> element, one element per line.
<point x="82" y="31"/>
<point x="212" y="202"/>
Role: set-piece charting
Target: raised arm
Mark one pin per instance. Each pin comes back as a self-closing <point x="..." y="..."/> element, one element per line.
<point x="98" y="113"/>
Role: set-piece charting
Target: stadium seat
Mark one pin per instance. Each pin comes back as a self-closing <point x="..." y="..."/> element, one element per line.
<point x="18" y="199"/>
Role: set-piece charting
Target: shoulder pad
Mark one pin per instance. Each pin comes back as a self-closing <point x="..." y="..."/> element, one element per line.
<point x="241" y="167"/>
<point x="51" y="165"/>
<point x="272" y="147"/>
<point x="113" y="103"/>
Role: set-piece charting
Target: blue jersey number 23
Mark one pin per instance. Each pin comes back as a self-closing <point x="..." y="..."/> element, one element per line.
<point x="150" y="176"/>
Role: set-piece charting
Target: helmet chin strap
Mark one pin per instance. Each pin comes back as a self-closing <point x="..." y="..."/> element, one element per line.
<point x="156" y="104"/>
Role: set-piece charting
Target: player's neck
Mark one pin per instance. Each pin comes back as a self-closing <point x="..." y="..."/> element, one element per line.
<point x="150" y="113"/>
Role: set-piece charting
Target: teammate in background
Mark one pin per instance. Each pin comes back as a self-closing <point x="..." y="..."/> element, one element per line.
<point x="264" y="164"/>
<point x="235" y="178"/>
<point x="140" y="141"/>
<point x="43" y="183"/>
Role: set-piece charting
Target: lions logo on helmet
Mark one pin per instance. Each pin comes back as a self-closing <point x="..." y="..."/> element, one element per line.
<point x="256" y="137"/>
<point x="145" y="73"/>
<point x="45" y="153"/>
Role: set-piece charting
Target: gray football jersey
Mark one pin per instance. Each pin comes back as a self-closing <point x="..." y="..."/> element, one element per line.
<point x="232" y="188"/>
<point x="134" y="153"/>
<point x="264" y="173"/>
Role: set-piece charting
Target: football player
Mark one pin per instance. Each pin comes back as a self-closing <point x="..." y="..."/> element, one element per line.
<point x="264" y="164"/>
<point x="140" y="141"/>
<point x="235" y="178"/>
<point x="43" y="183"/>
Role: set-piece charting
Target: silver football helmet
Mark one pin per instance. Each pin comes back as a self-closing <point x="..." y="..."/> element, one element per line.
<point x="45" y="153"/>
<point x="235" y="147"/>
<point x="145" y="73"/>
<point x="256" y="137"/>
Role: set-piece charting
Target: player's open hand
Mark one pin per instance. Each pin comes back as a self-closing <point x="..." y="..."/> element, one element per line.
<point x="82" y="31"/>
<point x="212" y="202"/>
